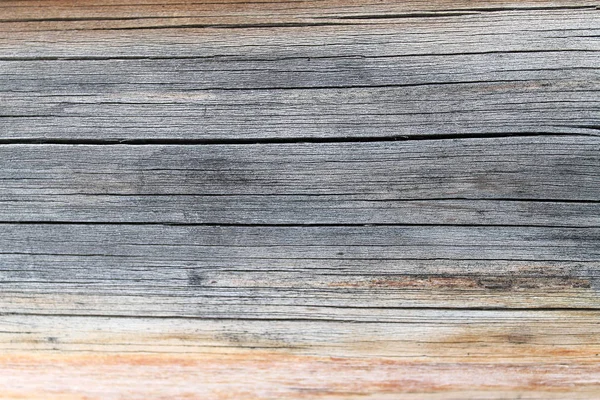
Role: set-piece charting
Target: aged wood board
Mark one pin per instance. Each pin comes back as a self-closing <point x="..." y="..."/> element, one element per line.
<point x="302" y="199"/>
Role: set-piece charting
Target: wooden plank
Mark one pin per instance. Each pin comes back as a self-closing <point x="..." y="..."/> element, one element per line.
<point x="547" y="181"/>
<point x="423" y="354"/>
<point x="285" y="272"/>
<point x="295" y="209"/>
<point x="461" y="73"/>
<point x="464" y="108"/>
<point x="530" y="168"/>
<point x="299" y="199"/>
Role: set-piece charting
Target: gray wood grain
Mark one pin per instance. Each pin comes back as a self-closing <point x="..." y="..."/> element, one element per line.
<point x="476" y="72"/>
<point x="535" y="168"/>
<point x="295" y="209"/>
<point x="300" y="198"/>
<point x="237" y="272"/>
<point x="545" y="181"/>
<point x="181" y="204"/>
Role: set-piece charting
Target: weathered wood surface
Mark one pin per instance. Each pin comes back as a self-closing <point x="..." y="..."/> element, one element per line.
<point x="545" y="181"/>
<point x="312" y="69"/>
<point x="300" y="199"/>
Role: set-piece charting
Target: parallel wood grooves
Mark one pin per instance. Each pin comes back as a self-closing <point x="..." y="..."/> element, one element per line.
<point x="299" y="199"/>
<point x="519" y="181"/>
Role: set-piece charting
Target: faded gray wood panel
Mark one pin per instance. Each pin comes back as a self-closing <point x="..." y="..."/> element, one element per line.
<point x="325" y="199"/>
<point x="234" y="289"/>
<point x="547" y="181"/>
<point x="235" y="271"/>
<point x="344" y="242"/>
<point x="476" y="72"/>
<point x="533" y="168"/>
<point x="296" y="209"/>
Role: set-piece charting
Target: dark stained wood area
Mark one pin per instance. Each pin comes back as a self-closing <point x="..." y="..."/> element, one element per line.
<point x="304" y="199"/>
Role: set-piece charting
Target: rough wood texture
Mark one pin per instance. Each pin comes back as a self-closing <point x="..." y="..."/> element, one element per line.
<point x="300" y="199"/>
